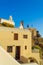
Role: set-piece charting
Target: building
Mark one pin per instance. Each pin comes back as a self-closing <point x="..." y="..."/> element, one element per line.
<point x="18" y="43"/>
<point x="7" y="23"/>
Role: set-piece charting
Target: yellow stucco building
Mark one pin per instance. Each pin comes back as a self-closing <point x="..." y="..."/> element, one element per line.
<point x="18" y="43"/>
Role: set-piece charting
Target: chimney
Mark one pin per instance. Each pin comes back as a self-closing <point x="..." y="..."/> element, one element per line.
<point x="21" y="25"/>
<point x="10" y="18"/>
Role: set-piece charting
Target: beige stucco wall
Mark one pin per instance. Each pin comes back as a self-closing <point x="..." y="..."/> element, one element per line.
<point x="7" y="39"/>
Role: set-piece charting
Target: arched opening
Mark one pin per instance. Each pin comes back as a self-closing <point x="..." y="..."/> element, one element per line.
<point x="31" y="59"/>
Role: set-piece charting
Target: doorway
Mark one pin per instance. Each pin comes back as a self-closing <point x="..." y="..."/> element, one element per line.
<point x="17" y="56"/>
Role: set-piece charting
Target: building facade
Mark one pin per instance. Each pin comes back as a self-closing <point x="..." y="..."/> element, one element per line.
<point x="18" y="43"/>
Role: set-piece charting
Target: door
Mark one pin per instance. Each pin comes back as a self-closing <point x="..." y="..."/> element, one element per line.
<point x="17" y="56"/>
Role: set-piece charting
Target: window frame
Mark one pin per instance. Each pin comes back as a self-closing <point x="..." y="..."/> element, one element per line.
<point x="15" y="36"/>
<point x="9" y="49"/>
<point x="25" y="47"/>
<point x="25" y="36"/>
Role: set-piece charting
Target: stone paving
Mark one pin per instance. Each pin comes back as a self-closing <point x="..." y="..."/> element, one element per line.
<point x="30" y="64"/>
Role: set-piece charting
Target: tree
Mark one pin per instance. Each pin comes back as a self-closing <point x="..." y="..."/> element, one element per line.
<point x="37" y="34"/>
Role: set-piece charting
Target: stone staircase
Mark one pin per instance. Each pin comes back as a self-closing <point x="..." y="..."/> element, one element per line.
<point x="7" y="59"/>
<point x="20" y="61"/>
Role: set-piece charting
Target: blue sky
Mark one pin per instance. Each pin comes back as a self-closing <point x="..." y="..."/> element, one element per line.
<point x="30" y="11"/>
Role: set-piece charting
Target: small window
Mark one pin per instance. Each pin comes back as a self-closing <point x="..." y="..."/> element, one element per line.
<point x="25" y="36"/>
<point x="25" y="47"/>
<point x="9" y="48"/>
<point x="15" y="36"/>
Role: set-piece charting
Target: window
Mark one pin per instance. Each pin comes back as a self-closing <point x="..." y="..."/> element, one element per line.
<point x="25" y="36"/>
<point x="25" y="47"/>
<point x="9" y="48"/>
<point x="15" y="36"/>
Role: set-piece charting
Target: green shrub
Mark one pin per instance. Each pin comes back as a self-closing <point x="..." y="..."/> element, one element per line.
<point x="36" y="47"/>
